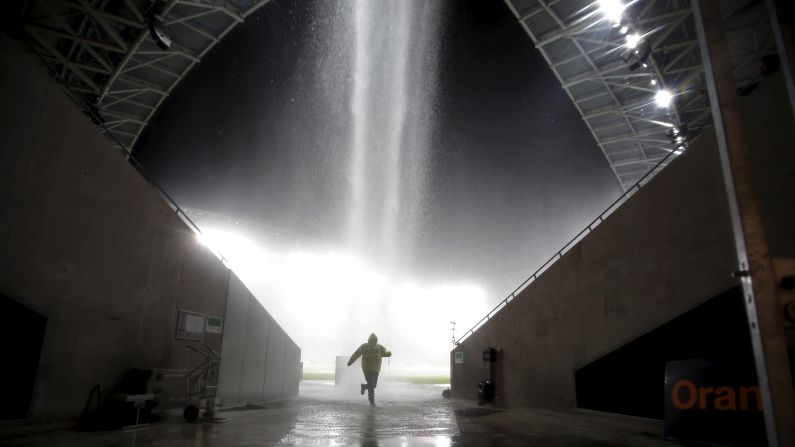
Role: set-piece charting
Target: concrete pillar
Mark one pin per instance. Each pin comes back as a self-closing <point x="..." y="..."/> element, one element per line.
<point x="765" y="318"/>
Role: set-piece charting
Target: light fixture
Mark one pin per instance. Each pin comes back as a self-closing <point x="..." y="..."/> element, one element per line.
<point x="633" y="40"/>
<point x="611" y="9"/>
<point x="637" y="59"/>
<point x="624" y="29"/>
<point x="678" y="135"/>
<point x="653" y="81"/>
<point x="663" y="98"/>
<point x="157" y="29"/>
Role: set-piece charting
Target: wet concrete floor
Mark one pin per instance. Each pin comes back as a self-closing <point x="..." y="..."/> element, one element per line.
<point x="405" y="415"/>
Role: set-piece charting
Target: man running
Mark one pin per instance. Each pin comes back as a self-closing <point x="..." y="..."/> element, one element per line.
<point x="371" y="353"/>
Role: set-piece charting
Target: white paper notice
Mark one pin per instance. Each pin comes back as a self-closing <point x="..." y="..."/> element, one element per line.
<point x="194" y="323"/>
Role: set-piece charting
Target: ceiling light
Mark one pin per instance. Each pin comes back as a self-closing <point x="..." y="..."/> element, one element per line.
<point x="157" y="29"/>
<point x="633" y="40"/>
<point x="653" y="81"/>
<point x="663" y="98"/>
<point x="611" y="9"/>
<point x="624" y="29"/>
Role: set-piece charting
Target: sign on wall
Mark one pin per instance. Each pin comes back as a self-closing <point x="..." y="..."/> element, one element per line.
<point x="713" y="402"/>
<point x="459" y="357"/>
<point x="190" y="325"/>
<point x="214" y="324"/>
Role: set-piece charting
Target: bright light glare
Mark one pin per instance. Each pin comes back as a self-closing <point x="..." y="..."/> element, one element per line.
<point x="624" y="29"/>
<point x="633" y="40"/>
<point x="611" y="9"/>
<point x="329" y="301"/>
<point x="663" y="98"/>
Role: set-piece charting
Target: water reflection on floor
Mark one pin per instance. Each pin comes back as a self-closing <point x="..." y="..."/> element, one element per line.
<point x="324" y="415"/>
<point x="405" y="414"/>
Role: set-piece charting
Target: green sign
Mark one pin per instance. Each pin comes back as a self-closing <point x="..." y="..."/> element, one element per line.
<point x="214" y="324"/>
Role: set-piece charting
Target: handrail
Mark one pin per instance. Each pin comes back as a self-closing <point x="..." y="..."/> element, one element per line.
<point x="559" y="254"/>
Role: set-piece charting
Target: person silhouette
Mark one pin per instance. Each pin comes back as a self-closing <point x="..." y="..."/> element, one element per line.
<point x="371" y="354"/>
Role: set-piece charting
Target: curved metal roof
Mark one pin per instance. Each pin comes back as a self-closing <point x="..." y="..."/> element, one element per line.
<point x="103" y="54"/>
<point x="611" y="85"/>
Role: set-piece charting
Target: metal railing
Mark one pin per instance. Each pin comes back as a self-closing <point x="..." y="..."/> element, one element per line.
<point x="573" y="241"/>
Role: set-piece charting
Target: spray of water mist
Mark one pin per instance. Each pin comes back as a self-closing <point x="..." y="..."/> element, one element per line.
<point x="391" y="70"/>
<point x="382" y="66"/>
<point x="359" y="117"/>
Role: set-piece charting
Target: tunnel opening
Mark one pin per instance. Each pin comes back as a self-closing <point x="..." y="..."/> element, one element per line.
<point x="23" y="331"/>
<point x="631" y="379"/>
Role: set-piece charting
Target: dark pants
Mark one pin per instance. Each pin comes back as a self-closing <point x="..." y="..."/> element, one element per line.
<point x="372" y="381"/>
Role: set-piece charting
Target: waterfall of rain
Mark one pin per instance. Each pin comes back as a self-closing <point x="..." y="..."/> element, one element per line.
<point x="391" y="108"/>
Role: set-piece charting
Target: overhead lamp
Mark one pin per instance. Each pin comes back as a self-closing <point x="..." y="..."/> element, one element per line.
<point x="157" y="29"/>
<point x="624" y="29"/>
<point x="663" y="98"/>
<point x="611" y="9"/>
<point x="637" y="59"/>
<point x="633" y="40"/>
<point x="653" y="81"/>
<point x="678" y="135"/>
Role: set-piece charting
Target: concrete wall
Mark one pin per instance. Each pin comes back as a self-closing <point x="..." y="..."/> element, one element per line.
<point x="667" y="249"/>
<point x="90" y="245"/>
<point x="261" y="362"/>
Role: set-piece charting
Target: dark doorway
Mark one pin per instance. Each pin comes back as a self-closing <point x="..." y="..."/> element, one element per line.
<point x="631" y="379"/>
<point x="22" y="332"/>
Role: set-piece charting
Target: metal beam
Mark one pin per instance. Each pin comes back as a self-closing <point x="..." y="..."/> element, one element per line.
<point x="765" y="318"/>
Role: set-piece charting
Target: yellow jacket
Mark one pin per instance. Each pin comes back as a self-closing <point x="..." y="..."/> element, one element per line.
<point x="371" y="353"/>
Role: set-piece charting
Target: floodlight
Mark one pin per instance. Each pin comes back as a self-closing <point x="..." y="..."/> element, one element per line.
<point x="653" y="81"/>
<point x="663" y="98"/>
<point x="633" y="40"/>
<point x="611" y="9"/>
<point x="157" y="29"/>
<point x="624" y="29"/>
